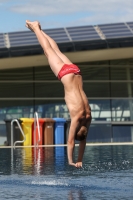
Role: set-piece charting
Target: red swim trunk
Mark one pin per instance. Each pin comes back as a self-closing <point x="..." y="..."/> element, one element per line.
<point x="68" y="69"/>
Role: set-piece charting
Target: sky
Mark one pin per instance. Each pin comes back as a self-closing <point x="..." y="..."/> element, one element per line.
<point x="62" y="13"/>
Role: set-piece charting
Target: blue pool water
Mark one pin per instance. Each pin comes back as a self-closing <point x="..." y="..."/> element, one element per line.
<point x="43" y="173"/>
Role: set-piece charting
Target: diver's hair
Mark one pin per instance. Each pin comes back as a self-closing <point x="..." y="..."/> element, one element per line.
<point x="81" y="134"/>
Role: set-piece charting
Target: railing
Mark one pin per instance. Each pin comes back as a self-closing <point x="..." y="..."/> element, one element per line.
<point x="15" y="120"/>
<point x="36" y="124"/>
<point x="36" y="143"/>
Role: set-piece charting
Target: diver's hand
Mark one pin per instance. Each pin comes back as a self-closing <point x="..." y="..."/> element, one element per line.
<point x="72" y="164"/>
<point x="77" y="165"/>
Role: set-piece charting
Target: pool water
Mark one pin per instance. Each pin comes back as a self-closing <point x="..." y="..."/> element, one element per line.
<point x="43" y="173"/>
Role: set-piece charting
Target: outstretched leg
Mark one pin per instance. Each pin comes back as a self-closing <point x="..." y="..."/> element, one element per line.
<point x="54" y="60"/>
<point x="56" y="49"/>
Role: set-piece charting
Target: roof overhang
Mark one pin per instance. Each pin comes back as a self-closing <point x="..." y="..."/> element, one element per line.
<point x="75" y="57"/>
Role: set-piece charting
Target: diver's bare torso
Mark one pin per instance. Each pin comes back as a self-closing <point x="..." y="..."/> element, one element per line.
<point x="75" y="97"/>
<point x="73" y="87"/>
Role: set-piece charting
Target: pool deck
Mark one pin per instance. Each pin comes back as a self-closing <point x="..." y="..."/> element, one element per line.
<point x="63" y="145"/>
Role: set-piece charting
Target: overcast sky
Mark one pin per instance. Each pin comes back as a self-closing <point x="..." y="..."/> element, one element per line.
<point x="63" y="13"/>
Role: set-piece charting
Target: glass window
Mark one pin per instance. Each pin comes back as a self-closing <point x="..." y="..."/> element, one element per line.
<point x="96" y="89"/>
<point x="100" y="109"/>
<point x="118" y="73"/>
<point x="122" y="109"/>
<point x="52" y="108"/>
<point x="99" y="133"/>
<point x="119" y="90"/>
<point x="90" y="72"/>
<point x="11" y="109"/>
<point x="131" y="72"/>
<point x="15" y="90"/>
<point x="16" y="74"/>
<point x="44" y="73"/>
<point x="50" y="89"/>
<point x="122" y="133"/>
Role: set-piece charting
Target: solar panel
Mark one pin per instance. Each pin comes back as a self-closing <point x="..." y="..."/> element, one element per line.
<point x="83" y="38"/>
<point x="26" y="38"/>
<point x="112" y="24"/>
<point x="118" y="35"/>
<point x="2" y="43"/>
<point x="22" y="39"/>
<point x="83" y="33"/>
<point x="59" y="35"/>
<point x="119" y="30"/>
<point x="130" y="24"/>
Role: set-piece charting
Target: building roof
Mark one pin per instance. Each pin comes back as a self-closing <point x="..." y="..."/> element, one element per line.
<point x="70" y="39"/>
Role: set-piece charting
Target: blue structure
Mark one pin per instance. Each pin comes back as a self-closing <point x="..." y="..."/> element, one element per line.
<point x="59" y="130"/>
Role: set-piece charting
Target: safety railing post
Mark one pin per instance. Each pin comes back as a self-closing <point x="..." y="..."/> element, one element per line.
<point x="36" y="124"/>
<point x="15" y="120"/>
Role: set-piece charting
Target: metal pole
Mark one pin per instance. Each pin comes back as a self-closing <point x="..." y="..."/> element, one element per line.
<point x="36" y="123"/>
<point x="15" y="120"/>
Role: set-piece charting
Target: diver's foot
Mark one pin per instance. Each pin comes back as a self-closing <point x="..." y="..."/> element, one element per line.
<point x="33" y="26"/>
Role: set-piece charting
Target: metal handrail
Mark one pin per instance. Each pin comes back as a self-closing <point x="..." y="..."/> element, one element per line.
<point x="15" y="120"/>
<point x="36" y="122"/>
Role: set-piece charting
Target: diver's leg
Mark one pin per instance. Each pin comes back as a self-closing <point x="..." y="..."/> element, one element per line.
<point x="54" y="60"/>
<point x="56" y="49"/>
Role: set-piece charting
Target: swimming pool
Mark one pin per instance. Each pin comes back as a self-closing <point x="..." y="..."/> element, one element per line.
<point x="43" y="173"/>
